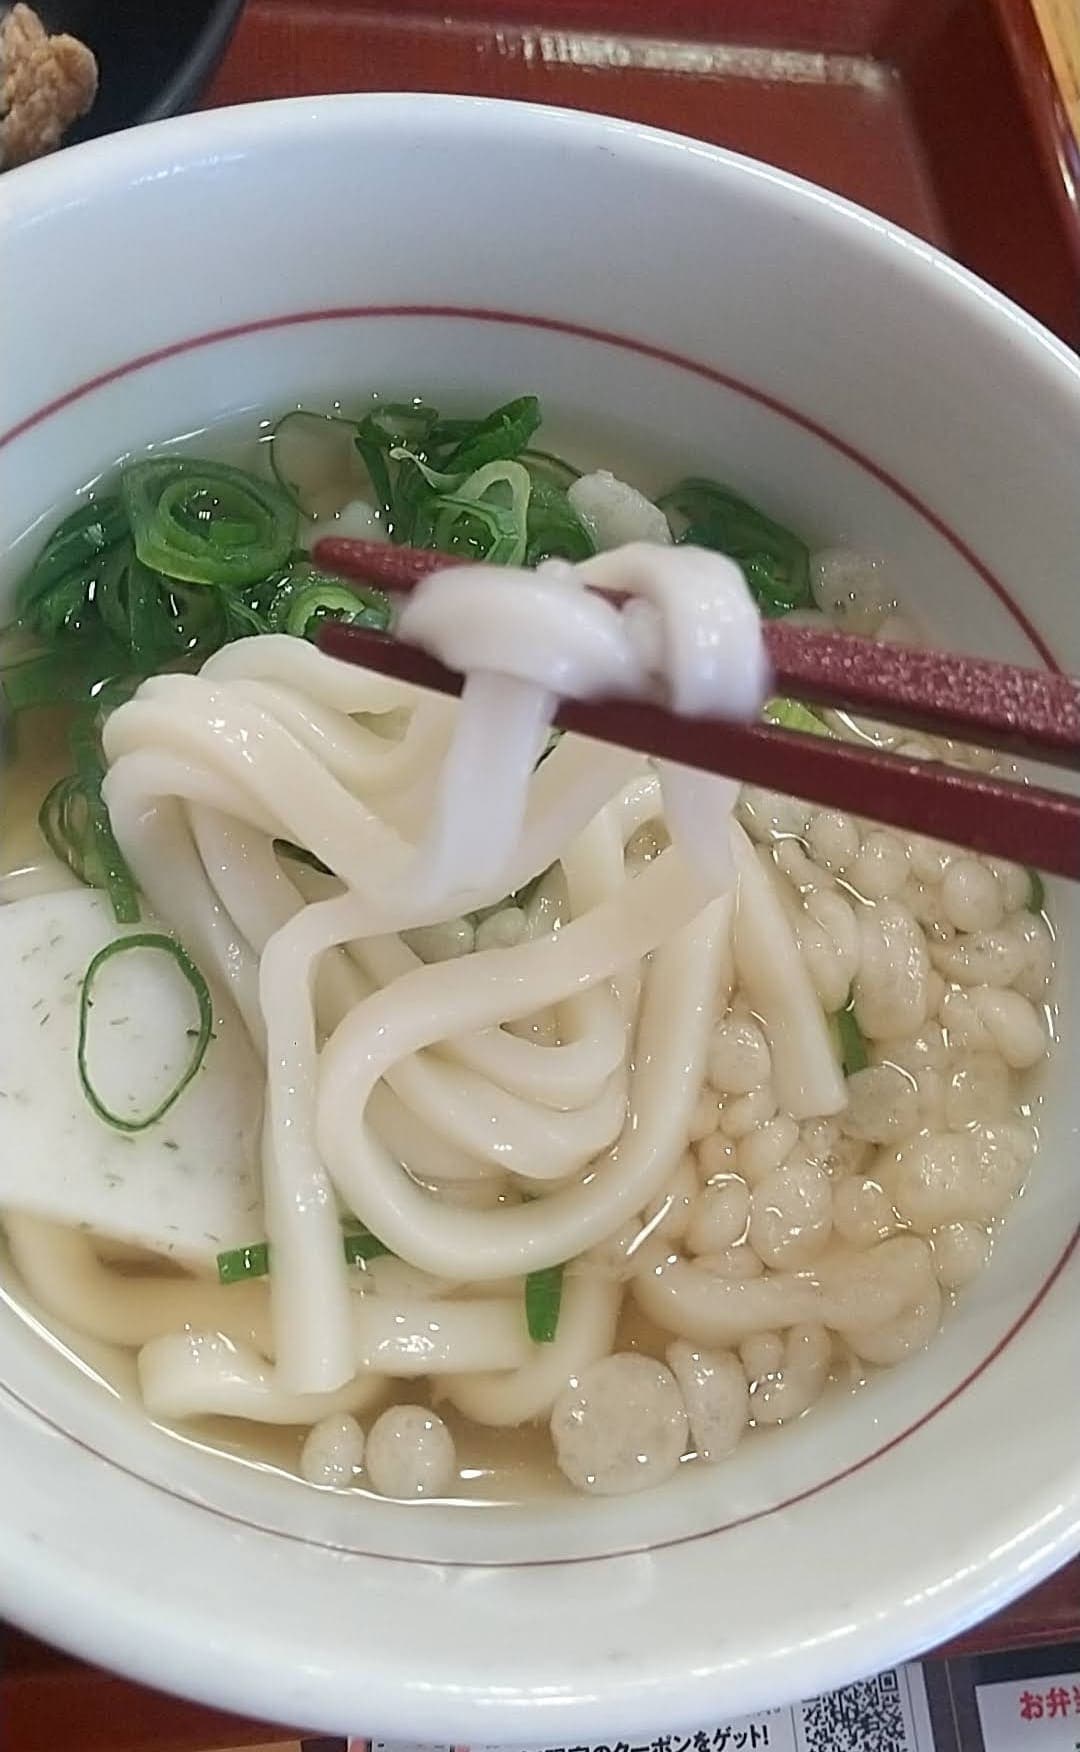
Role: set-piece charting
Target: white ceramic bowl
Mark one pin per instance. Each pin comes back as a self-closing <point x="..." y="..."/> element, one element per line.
<point x="687" y="309"/>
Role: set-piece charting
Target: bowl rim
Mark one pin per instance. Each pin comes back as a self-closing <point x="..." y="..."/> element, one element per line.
<point x="118" y="1631"/>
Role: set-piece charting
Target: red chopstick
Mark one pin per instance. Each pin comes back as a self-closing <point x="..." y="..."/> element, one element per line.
<point x="1032" y="712"/>
<point x="993" y="703"/>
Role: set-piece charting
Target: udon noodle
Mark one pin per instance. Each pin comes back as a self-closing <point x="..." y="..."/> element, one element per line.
<point x="648" y="1107"/>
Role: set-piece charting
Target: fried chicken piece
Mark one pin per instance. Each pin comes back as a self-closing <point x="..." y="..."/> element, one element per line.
<point x="46" y="84"/>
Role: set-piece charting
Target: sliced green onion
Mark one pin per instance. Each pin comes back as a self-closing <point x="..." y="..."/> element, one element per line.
<point x="71" y="674"/>
<point x="241" y="620"/>
<point x="543" y="1300"/>
<point x="775" y="563"/>
<point x="394" y="423"/>
<point x="440" y="480"/>
<point x="206" y="522"/>
<point x="307" y="597"/>
<point x="500" y="435"/>
<point x="554" y="738"/>
<point x="487" y="516"/>
<point x="157" y="941"/>
<point x="244" y="1262"/>
<point x="543" y="465"/>
<point x="523" y="895"/>
<point x="75" y="825"/>
<point x="308" y="449"/>
<point x="300" y="855"/>
<point x="378" y="434"/>
<point x="793" y="715"/>
<point x="1036" y="900"/>
<point x="361" y="1245"/>
<point x="554" y="529"/>
<point x="52" y="595"/>
<point x="253" y="1261"/>
<point x="153" y="618"/>
<point x="853" y="1054"/>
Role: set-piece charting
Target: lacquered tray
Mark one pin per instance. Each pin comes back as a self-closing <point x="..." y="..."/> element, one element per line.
<point x="943" y="115"/>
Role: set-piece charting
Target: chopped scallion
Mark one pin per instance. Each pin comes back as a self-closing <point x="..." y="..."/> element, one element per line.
<point x="853" y="1054"/>
<point x="775" y="563"/>
<point x="75" y="825"/>
<point x="307" y="597"/>
<point x="361" y="1245"/>
<point x="306" y="448"/>
<point x="501" y="435"/>
<point x="543" y="1300"/>
<point x="253" y="1261"/>
<point x="301" y="855"/>
<point x="157" y="941"/>
<point x="793" y="715"/>
<point x="543" y="465"/>
<point x="244" y="1262"/>
<point x="206" y="522"/>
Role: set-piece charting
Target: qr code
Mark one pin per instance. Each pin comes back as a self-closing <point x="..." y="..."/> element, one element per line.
<point x="865" y="1717"/>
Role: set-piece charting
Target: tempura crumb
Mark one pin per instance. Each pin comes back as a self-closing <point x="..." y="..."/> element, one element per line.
<point x="46" y="84"/>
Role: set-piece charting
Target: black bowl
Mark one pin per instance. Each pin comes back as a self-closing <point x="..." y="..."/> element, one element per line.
<point x="154" y="56"/>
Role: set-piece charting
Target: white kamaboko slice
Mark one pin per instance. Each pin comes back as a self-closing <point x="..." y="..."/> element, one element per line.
<point x="621" y="1427"/>
<point x="614" y="512"/>
<point x="716" y="1397"/>
<point x="333" y="1452"/>
<point x="410" y="1454"/>
<point x="185" y="1187"/>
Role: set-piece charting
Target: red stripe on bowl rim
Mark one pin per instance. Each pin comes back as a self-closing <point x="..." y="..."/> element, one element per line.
<point x="723" y="380"/>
